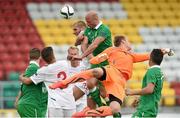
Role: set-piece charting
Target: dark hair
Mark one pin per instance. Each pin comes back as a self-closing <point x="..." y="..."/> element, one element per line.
<point x="118" y="40"/>
<point x="156" y="56"/>
<point x="47" y="54"/>
<point x="34" y="54"/>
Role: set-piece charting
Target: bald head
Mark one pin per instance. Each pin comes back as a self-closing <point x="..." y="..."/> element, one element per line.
<point x="92" y="19"/>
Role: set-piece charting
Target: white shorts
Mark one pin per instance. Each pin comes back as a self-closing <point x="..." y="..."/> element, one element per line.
<point x="59" y="112"/>
<point x="83" y="87"/>
<point x="81" y="105"/>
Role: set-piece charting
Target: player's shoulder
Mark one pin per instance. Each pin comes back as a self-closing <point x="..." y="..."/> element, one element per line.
<point x="62" y="62"/>
<point x="154" y="70"/>
<point x="110" y="49"/>
<point x="104" y="27"/>
<point x="43" y="69"/>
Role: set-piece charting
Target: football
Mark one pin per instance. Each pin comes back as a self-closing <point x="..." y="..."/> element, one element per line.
<point x="67" y="11"/>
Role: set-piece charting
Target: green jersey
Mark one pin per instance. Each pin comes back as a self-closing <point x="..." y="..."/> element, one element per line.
<point x="148" y="104"/>
<point x="35" y="95"/>
<point x="100" y="30"/>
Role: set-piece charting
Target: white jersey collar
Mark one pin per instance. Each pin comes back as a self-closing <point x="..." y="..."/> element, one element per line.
<point x="34" y="62"/>
<point x="157" y="66"/>
<point x="97" y="26"/>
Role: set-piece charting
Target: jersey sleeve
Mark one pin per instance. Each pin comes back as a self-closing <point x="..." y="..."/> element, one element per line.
<point x="151" y="77"/>
<point x="103" y="56"/>
<point x="140" y="57"/>
<point x="31" y="70"/>
<point x="103" y="33"/>
<point x="38" y="77"/>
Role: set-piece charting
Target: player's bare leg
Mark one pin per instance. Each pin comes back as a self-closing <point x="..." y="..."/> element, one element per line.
<point x="82" y="76"/>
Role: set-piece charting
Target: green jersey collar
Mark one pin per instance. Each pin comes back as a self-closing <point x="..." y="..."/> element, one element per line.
<point x="155" y="66"/>
<point x="34" y="62"/>
<point x="97" y="26"/>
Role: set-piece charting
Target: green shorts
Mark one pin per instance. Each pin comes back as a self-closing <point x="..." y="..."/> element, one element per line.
<point x="140" y="114"/>
<point x="27" y="110"/>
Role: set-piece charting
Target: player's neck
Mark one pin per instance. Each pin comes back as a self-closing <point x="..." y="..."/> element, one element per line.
<point x="53" y="61"/>
<point x="152" y="64"/>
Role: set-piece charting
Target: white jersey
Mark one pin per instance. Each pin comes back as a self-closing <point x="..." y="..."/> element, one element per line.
<point x="80" y="85"/>
<point x="58" y="98"/>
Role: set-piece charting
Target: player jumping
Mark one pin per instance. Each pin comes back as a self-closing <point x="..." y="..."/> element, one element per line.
<point x="113" y="76"/>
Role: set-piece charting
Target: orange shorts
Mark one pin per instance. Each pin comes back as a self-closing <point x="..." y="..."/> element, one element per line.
<point x="114" y="82"/>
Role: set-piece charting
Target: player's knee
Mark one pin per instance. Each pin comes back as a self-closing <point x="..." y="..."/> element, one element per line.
<point x="115" y="106"/>
<point x="97" y="72"/>
<point x="91" y="83"/>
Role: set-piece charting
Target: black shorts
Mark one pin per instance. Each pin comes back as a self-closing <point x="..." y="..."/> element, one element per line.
<point x="113" y="98"/>
<point x="104" y="75"/>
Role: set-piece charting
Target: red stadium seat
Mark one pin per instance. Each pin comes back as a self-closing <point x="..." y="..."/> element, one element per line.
<point x="21" y="39"/>
<point x="20" y="66"/>
<point x="8" y="67"/>
<point x="8" y="39"/>
<point x="177" y="91"/>
<point x="33" y="39"/>
<point x="4" y="30"/>
<point x="28" y="30"/>
<point x="5" y="57"/>
<point x="39" y="46"/>
<point x="17" y="30"/>
<point x="1" y="75"/>
<point x="13" y="48"/>
<point x="2" y="48"/>
<point x="2" y="22"/>
<point x="24" y="48"/>
<point x="25" y="57"/>
<point x="15" y="27"/>
<point x="175" y="85"/>
<point x="16" y="57"/>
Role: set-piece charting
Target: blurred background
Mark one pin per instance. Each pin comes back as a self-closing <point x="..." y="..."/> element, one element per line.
<point x="37" y="23"/>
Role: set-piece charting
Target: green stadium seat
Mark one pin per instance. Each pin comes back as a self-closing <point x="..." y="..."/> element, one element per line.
<point x="13" y="76"/>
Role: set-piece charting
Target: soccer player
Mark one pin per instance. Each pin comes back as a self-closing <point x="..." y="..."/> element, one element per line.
<point x="78" y="31"/>
<point x="98" y="38"/>
<point x="113" y="76"/>
<point x="94" y="95"/>
<point x="32" y="101"/>
<point x="61" y="103"/>
<point x="80" y="89"/>
<point x="151" y="87"/>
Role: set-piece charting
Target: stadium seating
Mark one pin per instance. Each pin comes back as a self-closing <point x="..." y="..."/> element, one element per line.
<point x="147" y="23"/>
<point x="17" y="36"/>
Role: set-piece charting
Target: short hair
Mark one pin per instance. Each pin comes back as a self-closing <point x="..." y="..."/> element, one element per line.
<point x="156" y="56"/>
<point x="74" y="48"/>
<point x="47" y="54"/>
<point x="118" y="40"/>
<point x="34" y="54"/>
<point x="80" y="24"/>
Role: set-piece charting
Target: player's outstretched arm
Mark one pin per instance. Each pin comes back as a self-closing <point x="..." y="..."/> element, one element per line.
<point x="147" y="90"/>
<point x="82" y="76"/>
<point x="93" y="46"/>
<point x="25" y="80"/>
<point x="99" y="58"/>
<point x="140" y="57"/>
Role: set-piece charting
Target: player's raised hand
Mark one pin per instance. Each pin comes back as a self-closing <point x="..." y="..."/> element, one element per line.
<point x="128" y="92"/>
<point x="77" y="58"/>
<point x="168" y="51"/>
<point x="135" y="102"/>
<point x="21" y="77"/>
